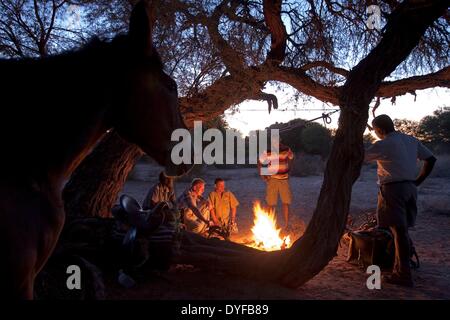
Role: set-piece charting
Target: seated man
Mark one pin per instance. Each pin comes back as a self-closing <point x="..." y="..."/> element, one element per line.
<point x="195" y="208"/>
<point x="222" y="203"/>
<point x="162" y="191"/>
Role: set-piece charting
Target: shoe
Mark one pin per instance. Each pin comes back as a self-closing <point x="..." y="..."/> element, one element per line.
<point x="399" y="280"/>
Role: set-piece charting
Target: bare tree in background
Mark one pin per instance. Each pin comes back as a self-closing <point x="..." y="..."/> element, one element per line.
<point x="30" y="28"/>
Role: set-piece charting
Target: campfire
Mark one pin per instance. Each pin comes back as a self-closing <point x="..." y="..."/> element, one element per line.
<point x="266" y="236"/>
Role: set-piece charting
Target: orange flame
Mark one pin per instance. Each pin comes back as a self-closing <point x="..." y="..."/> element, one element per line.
<point x="266" y="236"/>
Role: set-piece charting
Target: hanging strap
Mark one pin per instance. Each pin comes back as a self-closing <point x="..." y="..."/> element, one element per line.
<point x="325" y="117"/>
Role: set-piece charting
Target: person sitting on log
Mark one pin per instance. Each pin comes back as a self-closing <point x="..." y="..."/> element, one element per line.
<point x="223" y="202"/>
<point x="195" y="208"/>
<point x="160" y="192"/>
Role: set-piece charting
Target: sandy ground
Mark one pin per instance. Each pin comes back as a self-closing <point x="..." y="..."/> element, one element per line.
<point x="339" y="280"/>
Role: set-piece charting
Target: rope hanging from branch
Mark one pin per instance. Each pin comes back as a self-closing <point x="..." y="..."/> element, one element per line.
<point x="325" y="117"/>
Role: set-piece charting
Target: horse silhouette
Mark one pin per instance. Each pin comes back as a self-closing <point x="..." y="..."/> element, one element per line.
<point x="53" y="111"/>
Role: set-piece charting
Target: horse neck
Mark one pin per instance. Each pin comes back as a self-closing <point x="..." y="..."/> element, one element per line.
<point x="59" y="116"/>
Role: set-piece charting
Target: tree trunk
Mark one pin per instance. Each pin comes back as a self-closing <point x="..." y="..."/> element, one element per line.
<point x="93" y="187"/>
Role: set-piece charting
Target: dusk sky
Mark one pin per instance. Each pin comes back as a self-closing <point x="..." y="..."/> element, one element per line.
<point x="254" y="115"/>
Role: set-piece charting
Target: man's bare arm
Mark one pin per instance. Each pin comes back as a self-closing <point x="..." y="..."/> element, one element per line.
<point x="172" y="197"/>
<point x="213" y="216"/>
<point x="426" y="170"/>
<point x="233" y="214"/>
<point x="196" y="211"/>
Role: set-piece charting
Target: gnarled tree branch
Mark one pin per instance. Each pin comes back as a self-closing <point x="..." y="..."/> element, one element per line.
<point x="230" y="90"/>
<point x="327" y="65"/>
<point x="272" y="16"/>
<point x="440" y="78"/>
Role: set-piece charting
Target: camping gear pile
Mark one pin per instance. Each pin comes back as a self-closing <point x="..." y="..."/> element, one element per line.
<point x="127" y="247"/>
<point x="372" y="245"/>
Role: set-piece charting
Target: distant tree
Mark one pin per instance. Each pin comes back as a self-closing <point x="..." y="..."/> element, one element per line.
<point x="410" y="127"/>
<point x="221" y="124"/>
<point x="40" y="28"/>
<point x="218" y="122"/>
<point x="368" y="139"/>
<point x="436" y="128"/>
<point x="303" y="136"/>
<point x="316" y="139"/>
<point x="291" y="133"/>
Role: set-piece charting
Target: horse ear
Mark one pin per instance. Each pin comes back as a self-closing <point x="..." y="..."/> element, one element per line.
<point x="141" y="24"/>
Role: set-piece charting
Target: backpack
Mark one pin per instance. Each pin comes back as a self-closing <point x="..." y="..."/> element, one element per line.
<point x="375" y="247"/>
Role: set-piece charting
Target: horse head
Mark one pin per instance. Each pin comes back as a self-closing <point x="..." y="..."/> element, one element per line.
<point x="145" y="98"/>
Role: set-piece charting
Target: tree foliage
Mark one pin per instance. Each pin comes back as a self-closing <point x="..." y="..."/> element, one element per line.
<point x="223" y="52"/>
<point x="305" y="137"/>
<point x="435" y="129"/>
<point x="407" y="126"/>
<point x="316" y="139"/>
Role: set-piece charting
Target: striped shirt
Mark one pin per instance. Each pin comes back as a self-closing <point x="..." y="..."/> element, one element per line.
<point x="277" y="169"/>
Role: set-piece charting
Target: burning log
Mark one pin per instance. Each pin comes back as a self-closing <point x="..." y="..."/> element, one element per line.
<point x="260" y="258"/>
<point x="226" y="256"/>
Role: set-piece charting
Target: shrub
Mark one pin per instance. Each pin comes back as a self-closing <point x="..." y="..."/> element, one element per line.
<point x="316" y="139"/>
<point x="307" y="165"/>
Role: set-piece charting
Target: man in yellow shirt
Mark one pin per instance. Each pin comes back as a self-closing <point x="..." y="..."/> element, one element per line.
<point x="223" y="202"/>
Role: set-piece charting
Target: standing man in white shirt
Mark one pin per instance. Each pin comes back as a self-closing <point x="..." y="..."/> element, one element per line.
<point x="396" y="155"/>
